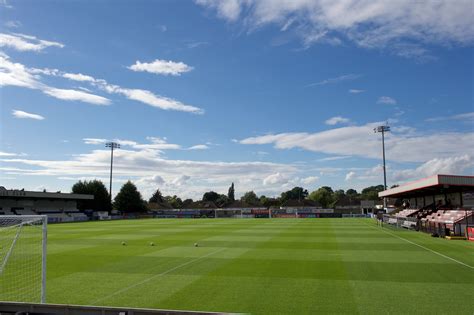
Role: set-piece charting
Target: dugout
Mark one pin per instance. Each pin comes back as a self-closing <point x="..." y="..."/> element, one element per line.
<point x="441" y="204"/>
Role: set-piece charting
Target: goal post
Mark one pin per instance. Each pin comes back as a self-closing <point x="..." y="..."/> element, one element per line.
<point x="23" y="240"/>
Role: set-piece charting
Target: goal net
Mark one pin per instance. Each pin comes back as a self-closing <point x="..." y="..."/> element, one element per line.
<point x="23" y="258"/>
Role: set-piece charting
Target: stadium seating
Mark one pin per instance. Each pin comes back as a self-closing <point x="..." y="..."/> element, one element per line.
<point x="25" y="212"/>
<point x="406" y="213"/>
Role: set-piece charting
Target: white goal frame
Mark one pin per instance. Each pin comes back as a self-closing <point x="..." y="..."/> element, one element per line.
<point x="27" y="219"/>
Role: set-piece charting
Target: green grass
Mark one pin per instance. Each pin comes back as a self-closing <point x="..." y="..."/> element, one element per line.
<point x="259" y="266"/>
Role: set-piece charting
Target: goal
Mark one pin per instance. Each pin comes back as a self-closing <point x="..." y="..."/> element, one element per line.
<point x="23" y="258"/>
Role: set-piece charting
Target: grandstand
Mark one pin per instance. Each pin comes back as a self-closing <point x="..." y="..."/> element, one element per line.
<point x="441" y="205"/>
<point x="59" y="207"/>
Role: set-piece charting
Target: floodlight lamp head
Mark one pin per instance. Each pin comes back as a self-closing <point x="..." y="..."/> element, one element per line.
<point x="114" y="145"/>
<point x="385" y="128"/>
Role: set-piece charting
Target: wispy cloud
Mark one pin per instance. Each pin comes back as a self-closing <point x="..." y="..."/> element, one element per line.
<point x="148" y="168"/>
<point x="24" y="115"/>
<point x="360" y="141"/>
<point x="465" y="116"/>
<point x="22" y="42"/>
<point x="345" y="77"/>
<point x="393" y="26"/>
<point x="350" y="176"/>
<point x="74" y="95"/>
<point x="16" y="74"/>
<point x="386" y="100"/>
<point x="337" y="120"/>
<point x="199" y="147"/>
<point x="94" y="141"/>
<point x="7" y="154"/>
<point x="333" y="158"/>
<point x="164" y="67"/>
<point x="356" y="91"/>
<point x="12" y="24"/>
<point x="451" y="165"/>
<point x="143" y="96"/>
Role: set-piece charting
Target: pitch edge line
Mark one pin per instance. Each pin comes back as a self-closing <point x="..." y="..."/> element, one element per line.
<point x="426" y="248"/>
<point x="155" y="276"/>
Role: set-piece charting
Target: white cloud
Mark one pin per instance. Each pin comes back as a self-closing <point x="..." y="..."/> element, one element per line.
<point x="165" y="67"/>
<point x="156" y="143"/>
<point x="16" y="74"/>
<point x="386" y="100"/>
<point x="75" y="95"/>
<point x="350" y="176"/>
<point x="362" y="142"/>
<point x="94" y="141"/>
<point x="78" y="77"/>
<point x="345" y="77"/>
<point x="450" y="165"/>
<point x="142" y="164"/>
<point x="356" y="91"/>
<point x="22" y="42"/>
<point x="181" y="180"/>
<point x="158" y="101"/>
<point x="7" y="154"/>
<point x="13" y="24"/>
<point x="390" y="25"/>
<point x="465" y="116"/>
<point x="333" y="158"/>
<point x="199" y="147"/>
<point x="229" y="9"/>
<point x="24" y="115"/>
<point x="309" y="180"/>
<point x="143" y="96"/>
<point x="337" y="120"/>
<point x="275" y="179"/>
<point x="157" y="179"/>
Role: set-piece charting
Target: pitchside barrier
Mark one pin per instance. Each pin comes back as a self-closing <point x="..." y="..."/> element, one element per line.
<point x="407" y="223"/>
<point x="57" y="309"/>
<point x="470" y="233"/>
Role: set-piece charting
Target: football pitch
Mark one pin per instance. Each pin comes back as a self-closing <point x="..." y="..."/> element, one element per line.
<point x="259" y="266"/>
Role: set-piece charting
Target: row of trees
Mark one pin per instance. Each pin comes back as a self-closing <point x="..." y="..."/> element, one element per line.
<point x="129" y="198"/>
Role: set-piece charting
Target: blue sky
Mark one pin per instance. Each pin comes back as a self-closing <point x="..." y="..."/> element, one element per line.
<point x="266" y="94"/>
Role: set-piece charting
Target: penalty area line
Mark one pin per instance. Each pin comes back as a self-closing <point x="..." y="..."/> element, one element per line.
<point x="155" y="276"/>
<point x="421" y="246"/>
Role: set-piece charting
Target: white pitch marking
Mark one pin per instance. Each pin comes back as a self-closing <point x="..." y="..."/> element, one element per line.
<point x="155" y="276"/>
<point x="426" y="248"/>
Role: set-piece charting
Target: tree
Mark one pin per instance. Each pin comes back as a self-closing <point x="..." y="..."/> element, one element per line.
<point x="231" y="193"/>
<point x="210" y="196"/>
<point x="187" y="203"/>
<point x="174" y="201"/>
<point x="157" y="197"/>
<point x="324" y="196"/>
<point x="222" y="201"/>
<point x="129" y="199"/>
<point x="351" y="192"/>
<point x="394" y="186"/>
<point x="94" y="187"/>
<point x="297" y="193"/>
<point x="338" y="194"/>
<point x="372" y="192"/>
<point x="250" y="198"/>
